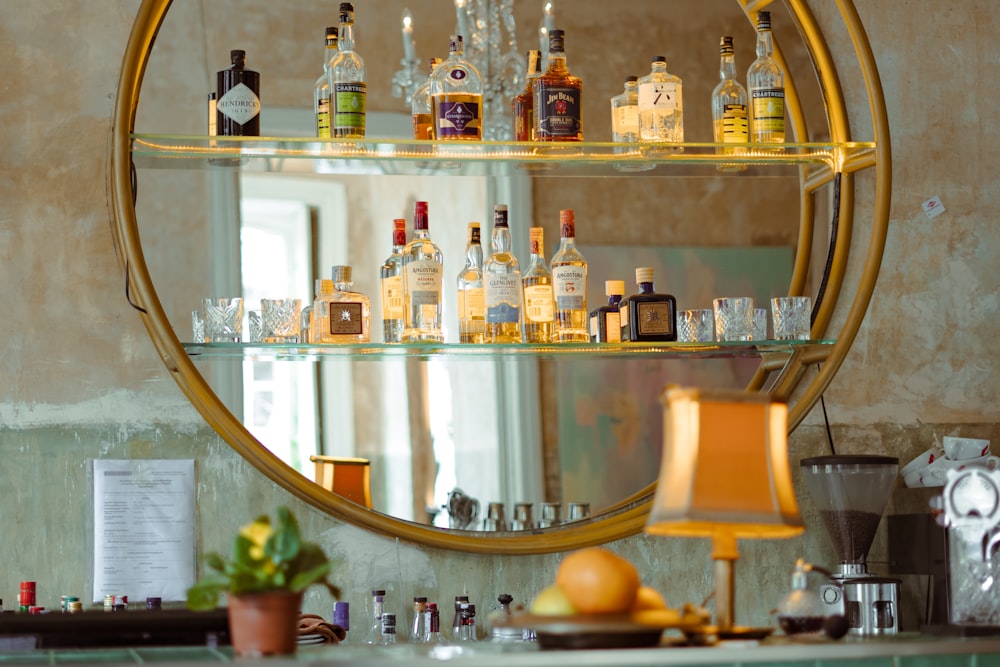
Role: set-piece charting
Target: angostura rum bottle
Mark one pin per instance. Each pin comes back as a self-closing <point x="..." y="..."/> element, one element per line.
<point x="457" y="97"/>
<point x="348" y="82"/>
<point x="729" y="104"/>
<point x="661" y="107"/>
<point x="348" y="316"/>
<point x="374" y="635"/>
<point x="422" y="268"/>
<point x="558" y="97"/>
<point x="471" y="295"/>
<point x="421" y="106"/>
<point x="539" y="304"/>
<point x="766" y="84"/>
<point x="522" y="106"/>
<point x="625" y="112"/>
<point x="321" y="91"/>
<point x="502" y="283"/>
<point x="569" y="282"/>
<point x="237" y="104"/>
<point x="648" y="316"/>
<point x="605" y="321"/>
<point x="391" y="277"/>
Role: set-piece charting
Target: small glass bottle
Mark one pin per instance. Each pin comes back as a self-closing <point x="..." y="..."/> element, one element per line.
<point x="729" y="99"/>
<point x="539" y="303"/>
<point x="522" y="106"/>
<point x="569" y="283"/>
<point x="388" y="629"/>
<point x="321" y="90"/>
<point x="766" y="86"/>
<point x="391" y="278"/>
<point x="605" y="321"/>
<point x="456" y="624"/>
<point x="434" y="624"/>
<point x="237" y="105"/>
<point x="502" y="284"/>
<point x="378" y="608"/>
<point x="418" y="629"/>
<point x="457" y="96"/>
<point x="342" y="617"/>
<point x="467" y="623"/>
<point x="558" y="97"/>
<point x="348" y="82"/>
<point x="625" y="113"/>
<point x="471" y="294"/>
<point x="661" y="109"/>
<point x="648" y="316"/>
<point x="344" y="316"/>
<point x="423" y="265"/>
<point x="421" y="106"/>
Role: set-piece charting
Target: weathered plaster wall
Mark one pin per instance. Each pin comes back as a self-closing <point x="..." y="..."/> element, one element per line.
<point x="82" y="381"/>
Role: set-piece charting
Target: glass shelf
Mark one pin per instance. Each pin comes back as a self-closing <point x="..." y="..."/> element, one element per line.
<point x="578" y="351"/>
<point x="412" y="157"/>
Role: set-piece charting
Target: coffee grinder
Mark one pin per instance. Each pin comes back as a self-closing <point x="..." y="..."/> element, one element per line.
<point x="851" y="493"/>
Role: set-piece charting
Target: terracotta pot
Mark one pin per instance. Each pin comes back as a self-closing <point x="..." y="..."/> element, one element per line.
<point x="263" y="624"/>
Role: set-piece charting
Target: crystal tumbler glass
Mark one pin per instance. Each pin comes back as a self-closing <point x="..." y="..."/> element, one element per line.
<point x="280" y="320"/>
<point x="696" y="326"/>
<point x="223" y="319"/>
<point x="733" y="318"/>
<point x="792" y="317"/>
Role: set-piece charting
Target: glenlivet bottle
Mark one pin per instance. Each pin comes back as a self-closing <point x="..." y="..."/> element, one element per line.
<point x="423" y="264"/>
<point x="457" y="97"/>
<point x="569" y="282"/>
<point x="648" y="316"/>
<point x="391" y="276"/>
<point x="471" y="296"/>
<point x="539" y="304"/>
<point x="661" y="108"/>
<point x="321" y="90"/>
<point x="558" y="97"/>
<point x="348" y="77"/>
<point x="766" y="84"/>
<point x="237" y="104"/>
<point x="502" y="283"/>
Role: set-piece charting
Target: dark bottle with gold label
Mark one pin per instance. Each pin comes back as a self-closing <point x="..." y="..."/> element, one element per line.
<point x="648" y="316"/>
<point x="237" y="104"/>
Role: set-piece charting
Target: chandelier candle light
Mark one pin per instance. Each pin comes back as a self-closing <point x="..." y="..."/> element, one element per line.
<point x="409" y="77"/>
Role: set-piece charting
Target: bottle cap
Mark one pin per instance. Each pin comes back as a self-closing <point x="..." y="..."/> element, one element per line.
<point x="419" y="599"/>
<point x="342" y="615"/>
<point x="644" y="274"/>
<point x="567" y="219"/>
<point x="659" y="59"/>
<point x="763" y="20"/>
<point x="378" y="591"/>
<point x="346" y="7"/>
<point x="500" y="215"/>
<point x="332" y="32"/>
<point x="726" y="44"/>
<point x="614" y="287"/>
<point x="461" y="598"/>
<point x="238" y="57"/>
<point x="325" y="287"/>
<point x="341" y="274"/>
<point x="631" y="78"/>
<point x="505" y="598"/>
<point x="432" y="606"/>
<point x="557" y="41"/>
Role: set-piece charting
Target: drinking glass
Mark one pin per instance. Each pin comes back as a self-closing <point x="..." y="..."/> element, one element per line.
<point x="281" y="320"/>
<point x="223" y="319"/>
<point x="733" y="318"/>
<point x="759" y="324"/>
<point x="791" y="315"/>
<point x="696" y="326"/>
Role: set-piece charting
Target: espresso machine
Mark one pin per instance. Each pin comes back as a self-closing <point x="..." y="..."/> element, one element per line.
<point x="851" y="493"/>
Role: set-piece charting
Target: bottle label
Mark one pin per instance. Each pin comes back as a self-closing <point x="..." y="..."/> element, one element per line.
<point x="660" y="95"/>
<point x="654" y="318"/>
<point x="626" y="120"/>
<point x="612" y="327"/>
<point x="734" y="124"/>
<point x="239" y="104"/>
<point x="558" y="111"/>
<point x="503" y="299"/>
<point x="458" y="119"/>
<point x="323" y="118"/>
<point x="769" y="110"/>
<point x="345" y="318"/>
<point x="570" y="287"/>
<point x="539" y="306"/>
<point x="392" y="298"/>
<point x="350" y="104"/>
<point x="423" y="283"/>
<point x="471" y="304"/>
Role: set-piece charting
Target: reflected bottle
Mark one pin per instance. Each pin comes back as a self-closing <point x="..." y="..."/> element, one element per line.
<point x="391" y="278"/>
<point x="471" y="293"/>
<point x="467" y="623"/>
<point x="237" y="104"/>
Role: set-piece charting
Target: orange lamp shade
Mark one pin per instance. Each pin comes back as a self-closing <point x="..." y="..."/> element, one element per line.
<point x="345" y="476"/>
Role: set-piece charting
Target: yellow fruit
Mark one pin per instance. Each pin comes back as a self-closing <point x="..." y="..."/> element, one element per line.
<point x="552" y="601"/>
<point x="597" y="581"/>
<point x="648" y="598"/>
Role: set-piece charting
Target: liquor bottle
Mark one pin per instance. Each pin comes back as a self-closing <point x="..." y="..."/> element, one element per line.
<point x="729" y="99"/>
<point x="766" y="85"/>
<point x="344" y="316"/>
<point x="388" y="629"/>
<point x="522" y="106"/>
<point x="457" y="96"/>
<point x="648" y="316"/>
<point x="457" y="623"/>
<point x="348" y="82"/>
<point x="569" y="285"/>
<point x="421" y="106"/>
<point x="539" y="303"/>
<point x="471" y="295"/>
<point x="418" y="629"/>
<point x="378" y="607"/>
<point x="661" y="108"/>
<point x="502" y="284"/>
<point x="237" y="104"/>
<point x="558" y="97"/>
<point x="391" y="276"/>
<point x="467" y="623"/>
<point x="625" y="112"/>
<point x="319" y="316"/>
<point x="321" y="90"/>
<point x="433" y="624"/>
<point x="605" y="321"/>
<point x="422" y="268"/>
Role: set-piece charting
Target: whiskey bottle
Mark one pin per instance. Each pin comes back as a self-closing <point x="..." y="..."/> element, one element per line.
<point x="421" y="106"/>
<point x="569" y="283"/>
<point x="457" y="97"/>
<point x="422" y="269"/>
<point x="391" y="278"/>
<point x="321" y="90"/>
<point x="661" y="109"/>
<point x="502" y="283"/>
<point x="348" y="87"/>
<point x="558" y="97"/>
<point x="522" y="106"/>
<point x="471" y="295"/>
<point x="344" y="315"/>
<point x="729" y="99"/>
<point x="766" y="84"/>
<point x="237" y="104"/>
<point x="605" y="321"/>
<point x="625" y="113"/>
<point x="648" y="316"/>
<point x="539" y="304"/>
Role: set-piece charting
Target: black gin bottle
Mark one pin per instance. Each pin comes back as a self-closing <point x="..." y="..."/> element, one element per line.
<point x="648" y="316"/>
<point x="237" y="103"/>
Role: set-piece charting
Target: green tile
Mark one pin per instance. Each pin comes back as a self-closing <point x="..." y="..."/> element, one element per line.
<point x="935" y="661"/>
<point x="24" y="658"/>
<point x="985" y="660"/>
<point x="93" y="656"/>
<point x="880" y="661"/>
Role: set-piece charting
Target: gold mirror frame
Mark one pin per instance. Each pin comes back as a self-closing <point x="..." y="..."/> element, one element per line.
<point x="629" y="516"/>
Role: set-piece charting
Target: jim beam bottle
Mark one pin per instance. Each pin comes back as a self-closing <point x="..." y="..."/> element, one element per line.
<point x="558" y="107"/>
<point x="237" y="103"/>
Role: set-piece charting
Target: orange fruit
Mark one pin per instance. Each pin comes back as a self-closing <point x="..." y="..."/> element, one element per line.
<point x="647" y="598"/>
<point x="552" y="601"/>
<point x="597" y="581"/>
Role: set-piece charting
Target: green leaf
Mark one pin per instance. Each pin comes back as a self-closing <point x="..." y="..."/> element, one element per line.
<point x="304" y="580"/>
<point x="215" y="561"/>
<point x="283" y="545"/>
<point x="204" y="595"/>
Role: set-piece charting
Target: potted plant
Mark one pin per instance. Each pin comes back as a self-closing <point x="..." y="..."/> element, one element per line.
<point x="264" y="579"/>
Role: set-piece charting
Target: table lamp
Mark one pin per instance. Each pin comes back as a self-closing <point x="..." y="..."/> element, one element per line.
<point x="724" y="474"/>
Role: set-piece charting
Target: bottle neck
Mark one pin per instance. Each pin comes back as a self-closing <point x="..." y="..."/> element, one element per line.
<point x="658" y="67"/>
<point x="500" y="239"/>
<point x="727" y="67"/>
<point x="557" y="62"/>
<point x="328" y="53"/>
<point x="474" y="254"/>
<point x="614" y="299"/>
<point x="377" y="606"/>
<point x="343" y="285"/>
<point x="765" y="47"/>
<point x="645" y="288"/>
<point x="346" y="38"/>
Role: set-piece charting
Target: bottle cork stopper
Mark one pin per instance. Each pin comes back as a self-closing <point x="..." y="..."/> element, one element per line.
<point x="341" y="274"/>
<point x="326" y="287"/>
<point x="644" y="274"/>
<point x="614" y="287"/>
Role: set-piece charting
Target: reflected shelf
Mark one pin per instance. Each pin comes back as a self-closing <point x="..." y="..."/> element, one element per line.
<point x="413" y="157"/>
<point x="576" y="351"/>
